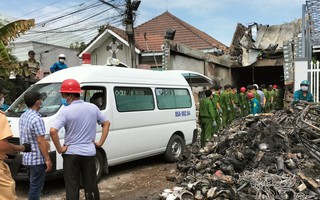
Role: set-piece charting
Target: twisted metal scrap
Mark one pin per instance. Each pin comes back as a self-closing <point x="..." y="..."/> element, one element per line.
<point x="272" y="185"/>
<point x="307" y="129"/>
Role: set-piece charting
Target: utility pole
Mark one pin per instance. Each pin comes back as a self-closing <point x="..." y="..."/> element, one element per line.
<point x="129" y="21"/>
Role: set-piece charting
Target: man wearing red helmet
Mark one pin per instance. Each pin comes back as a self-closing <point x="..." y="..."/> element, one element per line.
<point x="79" y="148"/>
<point x="276" y="99"/>
<point x="255" y="104"/>
<point x="244" y="103"/>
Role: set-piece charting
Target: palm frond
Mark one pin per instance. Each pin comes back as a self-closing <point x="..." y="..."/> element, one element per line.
<point x="14" y="29"/>
<point x="8" y="33"/>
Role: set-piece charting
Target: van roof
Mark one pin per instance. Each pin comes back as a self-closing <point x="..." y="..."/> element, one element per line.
<point x="98" y="73"/>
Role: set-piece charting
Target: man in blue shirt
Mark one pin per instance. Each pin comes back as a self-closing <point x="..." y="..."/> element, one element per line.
<point x="303" y="95"/>
<point x="59" y="65"/>
<point x="79" y="118"/>
<point x="32" y="130"/>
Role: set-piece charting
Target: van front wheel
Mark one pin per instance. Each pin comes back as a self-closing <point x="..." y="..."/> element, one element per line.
<point x="174" y="149"/>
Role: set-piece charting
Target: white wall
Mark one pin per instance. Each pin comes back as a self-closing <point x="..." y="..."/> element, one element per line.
<point x="185" y="63"/>
<point x="99" y="55"/>
<point x="216" y="73"/>
<point x="46" y="54"/>
<point x="300" y="73"/>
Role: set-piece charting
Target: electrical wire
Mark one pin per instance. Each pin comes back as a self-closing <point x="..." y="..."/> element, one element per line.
<point x="91" y="17"/>
<point x="39" y="9"/>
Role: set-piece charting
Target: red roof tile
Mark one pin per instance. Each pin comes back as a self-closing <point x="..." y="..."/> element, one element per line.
<point x="156" y="28"/>
<point x="186" y="34"/>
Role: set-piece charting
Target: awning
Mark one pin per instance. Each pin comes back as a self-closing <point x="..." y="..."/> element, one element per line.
<point x="194" y="78"/>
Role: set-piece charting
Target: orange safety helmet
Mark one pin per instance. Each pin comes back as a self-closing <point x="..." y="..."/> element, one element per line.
<point x="70" y="86"/>
<point x="242" y="89"/>
<point x="250" y="95"/>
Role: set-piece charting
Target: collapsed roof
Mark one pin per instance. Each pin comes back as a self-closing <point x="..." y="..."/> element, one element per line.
<point x="255" y="42"/>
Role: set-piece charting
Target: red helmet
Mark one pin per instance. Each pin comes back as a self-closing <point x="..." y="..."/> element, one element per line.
<point x="250" y="95"/>
<point x="242" y="89"/>
<point x="70" y="86"/>
<point x="275" y="86"/>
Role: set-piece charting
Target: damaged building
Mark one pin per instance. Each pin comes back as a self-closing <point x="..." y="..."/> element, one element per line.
<point x="283" y="54"/>
<point x="257" y="52"/>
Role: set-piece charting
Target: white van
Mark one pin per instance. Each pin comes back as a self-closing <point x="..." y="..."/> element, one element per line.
<point x="151" y="112"/>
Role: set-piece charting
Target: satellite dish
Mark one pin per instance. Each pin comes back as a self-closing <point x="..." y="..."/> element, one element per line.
<point x="112" y="61"/>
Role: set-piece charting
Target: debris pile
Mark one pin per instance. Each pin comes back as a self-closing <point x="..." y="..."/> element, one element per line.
<point x="269" y="156"/>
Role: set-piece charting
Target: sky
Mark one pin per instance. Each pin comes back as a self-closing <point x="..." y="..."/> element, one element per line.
<point x="215" y="17"/>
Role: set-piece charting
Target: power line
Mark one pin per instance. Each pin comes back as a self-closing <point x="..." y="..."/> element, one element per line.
<point x="85" y="28"/>
<point x="38" y="9"/>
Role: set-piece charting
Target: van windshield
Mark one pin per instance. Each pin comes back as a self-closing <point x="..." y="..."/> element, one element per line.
<point x="51" y="102"/>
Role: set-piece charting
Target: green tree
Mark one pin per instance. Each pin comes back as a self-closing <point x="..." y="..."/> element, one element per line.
<point x="78" y="46"/>
<point x="8" y="33"/>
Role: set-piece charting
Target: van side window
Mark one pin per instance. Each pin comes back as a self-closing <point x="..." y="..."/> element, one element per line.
<point x="170" y="98"/>
<point x="133" y="99"/>
<point x="95" y="95"/>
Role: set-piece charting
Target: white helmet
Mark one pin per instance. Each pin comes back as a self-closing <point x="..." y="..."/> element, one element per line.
<point x="62" y="56"/>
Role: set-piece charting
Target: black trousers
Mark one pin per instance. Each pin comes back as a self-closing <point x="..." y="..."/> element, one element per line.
<point x="73" y="167"/>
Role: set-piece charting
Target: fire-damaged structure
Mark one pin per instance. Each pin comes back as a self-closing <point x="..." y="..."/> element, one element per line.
<point x="269" y="156"/>
<point x="259" y="52"/>
<point x="259" y="42"/>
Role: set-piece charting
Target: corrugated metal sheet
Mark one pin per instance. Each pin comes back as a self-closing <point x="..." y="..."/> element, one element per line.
<point x="276" y="34"/>
<point x="268" y="39"/>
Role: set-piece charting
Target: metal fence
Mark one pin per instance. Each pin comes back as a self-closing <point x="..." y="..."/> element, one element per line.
<point x="314" y="78"/>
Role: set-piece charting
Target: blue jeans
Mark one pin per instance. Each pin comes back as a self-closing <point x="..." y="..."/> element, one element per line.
<point x="37" y="174"/>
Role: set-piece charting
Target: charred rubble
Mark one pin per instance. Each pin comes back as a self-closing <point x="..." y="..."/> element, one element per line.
<point x="269" y="156"/>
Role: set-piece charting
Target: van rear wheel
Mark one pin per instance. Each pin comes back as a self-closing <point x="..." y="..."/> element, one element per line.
<point x="174" y="149"/>
<point x="99" y="165"/>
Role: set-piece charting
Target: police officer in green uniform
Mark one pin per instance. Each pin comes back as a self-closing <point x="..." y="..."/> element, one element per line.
<point x="234" y="103"/>
<point x="206" y="118"/>
<point x="243" y="103"/>
<point x="269" y="98"/>
<point x="225" y="105"/>
<point x="216" y="107"/>
<point x="265" y="108"/>
<point x="276" y="98"/>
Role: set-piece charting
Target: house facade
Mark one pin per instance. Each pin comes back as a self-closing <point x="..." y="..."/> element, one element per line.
<point x="188" y="49"/>
<point x="46" y="54"/>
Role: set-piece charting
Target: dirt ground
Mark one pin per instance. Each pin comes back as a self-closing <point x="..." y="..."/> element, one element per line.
<point x="144" y="179"/>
